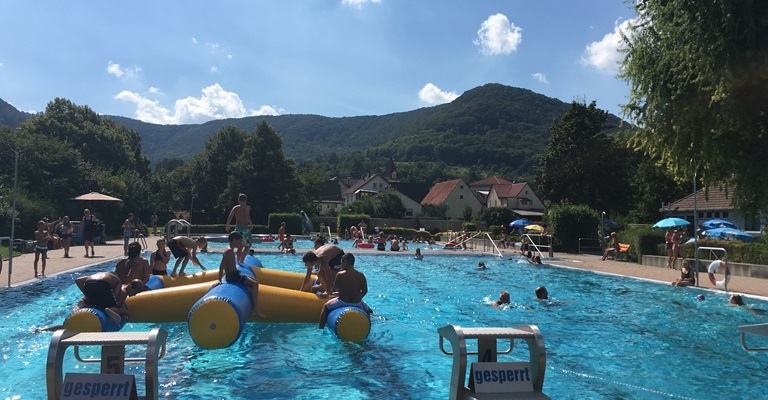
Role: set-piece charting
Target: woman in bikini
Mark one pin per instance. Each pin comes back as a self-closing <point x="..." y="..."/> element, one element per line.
<point x="67" y="229"/>
<point x="159" y="258"/>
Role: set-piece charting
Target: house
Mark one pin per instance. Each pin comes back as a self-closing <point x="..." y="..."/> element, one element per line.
<point x="718" y="204"/>
<point x="519" y="197"/>
<point x="338" y="192"/>
<point x="456" y="195"/>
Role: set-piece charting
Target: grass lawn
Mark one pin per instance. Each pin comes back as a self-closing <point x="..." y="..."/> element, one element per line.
<point x="4" y="252"/>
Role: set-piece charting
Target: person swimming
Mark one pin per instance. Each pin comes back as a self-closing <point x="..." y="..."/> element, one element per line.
<point x="503" y="299"/>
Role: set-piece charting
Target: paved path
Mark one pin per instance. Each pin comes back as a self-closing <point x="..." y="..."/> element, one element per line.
<point x="23" y="271"/>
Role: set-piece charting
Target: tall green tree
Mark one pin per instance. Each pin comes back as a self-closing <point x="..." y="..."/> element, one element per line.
<point x="582" y="164"/>
<point x="699" y="90"/>
<point x="388" y="205"/>
<point x="264" y="174"/>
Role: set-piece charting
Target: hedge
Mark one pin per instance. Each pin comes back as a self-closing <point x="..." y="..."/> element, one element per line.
<point x="292" y="221"/>
<point x="221" y="228"/>
<point x="347" y="220"/>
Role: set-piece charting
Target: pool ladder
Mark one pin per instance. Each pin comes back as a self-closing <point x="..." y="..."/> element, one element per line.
<point x="756" y="329"/>
<point x="112" y="356"/>
<point x="487" y="353"/>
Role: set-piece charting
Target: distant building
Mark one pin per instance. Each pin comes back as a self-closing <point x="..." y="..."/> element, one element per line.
<point x="719" y="204"/>
<point x="519" y="197"/>
<point x="456" y="195"/>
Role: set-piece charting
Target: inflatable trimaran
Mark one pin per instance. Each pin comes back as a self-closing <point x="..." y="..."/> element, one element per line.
<point x="216" y="315"/>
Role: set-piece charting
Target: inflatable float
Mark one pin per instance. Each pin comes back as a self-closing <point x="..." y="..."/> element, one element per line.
<point x="216" y="313"/>
<point x="712" y="270"/>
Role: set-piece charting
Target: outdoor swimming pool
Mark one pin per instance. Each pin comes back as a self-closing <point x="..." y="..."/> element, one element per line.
<point x="607" y="337"/>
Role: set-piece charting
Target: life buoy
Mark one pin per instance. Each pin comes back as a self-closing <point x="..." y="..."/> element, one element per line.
<point x="721" y="284"/>
<point x="364" y="245"/>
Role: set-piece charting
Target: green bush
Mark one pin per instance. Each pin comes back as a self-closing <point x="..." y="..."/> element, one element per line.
<point x="643" y="240"/>
<point x="740" y="252"/>
<point x="570" y="222"/>
<point x="469" y="227"/>
<point x="198" y="229"/>
<point x="495" y="231"/>
<point x="292" y="223"/>
<point x="347" y="220"/>
<point x="497" y="216"/>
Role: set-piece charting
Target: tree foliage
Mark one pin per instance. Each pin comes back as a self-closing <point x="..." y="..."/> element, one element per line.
<point x="699" y="89"/>
<point x="582" y="164"/>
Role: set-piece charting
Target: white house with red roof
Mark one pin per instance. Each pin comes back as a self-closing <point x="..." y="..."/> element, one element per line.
<point x="456" y="195"/>
<point x="519" y="197"/>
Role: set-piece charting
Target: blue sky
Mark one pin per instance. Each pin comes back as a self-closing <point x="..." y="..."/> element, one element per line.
<point x="175" y="62"/>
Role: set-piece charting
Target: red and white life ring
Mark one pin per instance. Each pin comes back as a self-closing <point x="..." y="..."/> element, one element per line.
<point x="721" y="284"/>
<point x="364" y="245"/>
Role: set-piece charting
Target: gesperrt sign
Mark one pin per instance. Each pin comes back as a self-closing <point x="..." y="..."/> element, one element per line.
<point x="487" y="377"/>
<point x="98" y="386"/>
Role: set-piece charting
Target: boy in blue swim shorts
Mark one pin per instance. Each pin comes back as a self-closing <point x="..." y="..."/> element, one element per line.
<point x="243" y="224"/>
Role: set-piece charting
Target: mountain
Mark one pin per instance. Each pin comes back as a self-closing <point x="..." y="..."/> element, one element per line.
<point x="10" y="116"/>
<point x="491" y="125"/>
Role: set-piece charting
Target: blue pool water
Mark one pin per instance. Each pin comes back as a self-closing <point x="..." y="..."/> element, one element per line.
<point x="306" y="244"/>
<point x="607" y="337"/>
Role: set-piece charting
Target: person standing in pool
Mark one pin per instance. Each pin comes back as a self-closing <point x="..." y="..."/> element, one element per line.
<point x="281" y="235"/>
<point x="159" y="258"/>
<point x="228" y="269"/>
<point x="503" y="299"/>
<point x="134" y="267"/>
<point x="185" y="249"/>
<point x="327" y="259"/>
<point x="352" y="287"/>
<point x="243" y="224"/>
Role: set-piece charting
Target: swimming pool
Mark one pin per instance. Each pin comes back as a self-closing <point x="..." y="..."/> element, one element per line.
<point x="607" y="337"/>
<point x="306" y="244"/>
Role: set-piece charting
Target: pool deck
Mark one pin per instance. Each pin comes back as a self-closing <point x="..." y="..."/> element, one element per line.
<point x="23" y="271"/>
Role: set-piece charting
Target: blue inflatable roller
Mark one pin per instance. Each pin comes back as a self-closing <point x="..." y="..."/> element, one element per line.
<point x="217" y="319"/>
<point x="155" y="282"/>
<point x="350" y="324"/>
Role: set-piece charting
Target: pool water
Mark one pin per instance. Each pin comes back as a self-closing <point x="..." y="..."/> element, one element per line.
<point x="306" y="244"/>
<point x="607" y="337"/>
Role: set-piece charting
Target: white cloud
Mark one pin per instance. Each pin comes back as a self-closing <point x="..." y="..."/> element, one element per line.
<point x="358" y="3"/>
<point x="214" y="69"/>
<point x="1" y="65"/>
<point x="154" y="90"/>
<point x="118" y="71"/>
<point x="229" y="56"/>
<point x="432" y="94"/>
<point x="498" y="36"/>
<point x="194" y="40"/>
<point x="214" y="103"/>
<point x="212" y="46"/>
<point x="541" y="78"/>
<point x="605" y="55"/>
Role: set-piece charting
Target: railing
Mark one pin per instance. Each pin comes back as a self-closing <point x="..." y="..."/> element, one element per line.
<point x="173" y="228"/>
<point x="582" y="248"/>
<point x="537" y="246"/>
<point x="488" y="244"/>
<point x="757" y="329"/>
<point x="10" y="256"/>
<point x="713" y="253"/>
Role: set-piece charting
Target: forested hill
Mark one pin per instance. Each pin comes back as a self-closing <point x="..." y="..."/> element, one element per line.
<point x="498" y="128"/>
<point x="10" y="116"/>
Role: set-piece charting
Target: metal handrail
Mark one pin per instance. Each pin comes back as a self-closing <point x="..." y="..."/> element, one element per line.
<point x="756" y="329"/>
<point x="539" y="246"/>
<point x="712" y="251"/>
<point x="172" y="228"/>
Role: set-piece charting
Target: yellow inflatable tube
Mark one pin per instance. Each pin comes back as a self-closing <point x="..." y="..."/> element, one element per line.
<point x="279" y="304"/>
<point x="271" y="277"/>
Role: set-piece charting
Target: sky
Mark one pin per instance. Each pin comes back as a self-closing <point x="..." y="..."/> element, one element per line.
<point x="183" y="62"/>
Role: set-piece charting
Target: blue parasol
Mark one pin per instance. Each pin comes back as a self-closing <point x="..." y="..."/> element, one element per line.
<point x="718" y="223"/>
<point x="520" y="223"/>
<point x="728" y="234"/>
<point x="671" y="223"/>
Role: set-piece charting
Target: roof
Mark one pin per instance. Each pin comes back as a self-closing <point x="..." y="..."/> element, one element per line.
<point x="509" y="191"/>
<point x="490" y="181"/>
<point x="718" y="200"/>
<point x="528" y="213"/>
<point x="331" y="191"/>
<point x="439" y="193"/>
<point x="354" y="188"/>
<point x="413" y="191"/>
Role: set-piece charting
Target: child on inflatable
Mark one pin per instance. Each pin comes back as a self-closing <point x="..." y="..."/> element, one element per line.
<point x="352" y="287"/>
<point x="228" y="269"/>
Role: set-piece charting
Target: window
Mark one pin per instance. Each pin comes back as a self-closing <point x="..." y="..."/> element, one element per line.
<point x="709" y="214"/>
<point x="701" y="215"/>
<point x="717" y="214"/>
<point x="725" y="214"/>
<point x="461" y="197"/>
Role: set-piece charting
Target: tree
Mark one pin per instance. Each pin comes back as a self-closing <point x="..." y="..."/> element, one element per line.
<point x="582" y="164"/>
<point x="699" y="89"/>
<point x="388" y="205"/>
<point x="467" y="214"/>
<point x="497" y="216"/>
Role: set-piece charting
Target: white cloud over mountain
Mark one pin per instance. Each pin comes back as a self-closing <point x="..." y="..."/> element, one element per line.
<point x="214" y="103"/>
<point x="498" y="36"/>
<point x="118" y="71"/>
<point x="541" y="78"/>
<point x="358" y="3"/>
<point x="605" y="55"/>
<point x="432" y="94"/>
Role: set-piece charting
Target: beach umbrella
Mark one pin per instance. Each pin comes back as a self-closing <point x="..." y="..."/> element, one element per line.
<point x="671" y="223"/>
<point x="534" y="228"/>
<point x="95" y="196"/>
<point x="728" y="234"/>
<point x="519" y="223"/>
<point x="611" y="224"/>
<point x="718" y="223"/>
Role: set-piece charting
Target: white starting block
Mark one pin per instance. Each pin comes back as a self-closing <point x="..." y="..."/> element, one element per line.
<point x="488" y="378"/>
<point x="111" y="382"/>
<point x="757" y="329"/>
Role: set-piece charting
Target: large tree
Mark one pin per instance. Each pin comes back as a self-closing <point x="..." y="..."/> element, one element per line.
<point x="698" y="75"/>
<point x="582" y="165"/>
